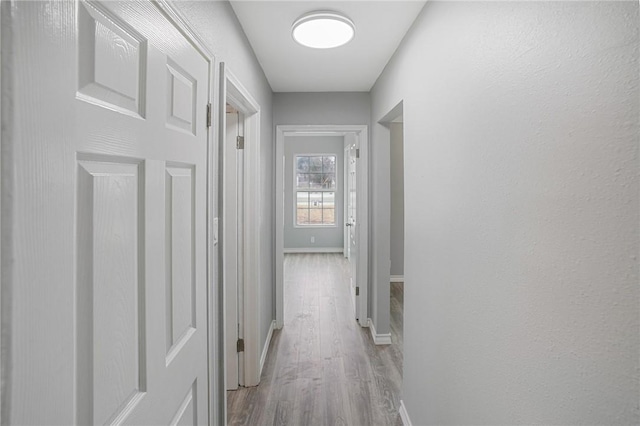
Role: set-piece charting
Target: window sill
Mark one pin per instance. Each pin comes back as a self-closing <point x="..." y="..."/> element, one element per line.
<point x="313" y="226"/>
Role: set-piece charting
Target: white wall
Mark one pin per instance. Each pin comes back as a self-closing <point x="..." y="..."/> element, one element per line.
<point x="217" y="25"/>
<point x="521" y="209"/>
<point x="327" y="237"/>
<point x="321" y="108"/>
<point x="396" y="205"/>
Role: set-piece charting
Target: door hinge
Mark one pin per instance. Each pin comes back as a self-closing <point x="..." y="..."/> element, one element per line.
<point x="358" y="153"/>
<point x="240" y="142"/>
<point x="357" y="291"/>
<point x="208" y="115"/>
<point x="240" y="345"/>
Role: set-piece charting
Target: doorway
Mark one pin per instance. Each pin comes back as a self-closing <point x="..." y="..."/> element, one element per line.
<point x="392" y="127"/>
<point x="233" y="248"/>
<point x="396" y="292"/>
<point x="396" y="159"/>
<point x="359" y="224"/>
<point x="392" y="132"/>
<point x="238" y="157"/>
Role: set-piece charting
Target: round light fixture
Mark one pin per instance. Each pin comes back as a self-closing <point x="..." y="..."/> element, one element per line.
<point x="323" y="30"/>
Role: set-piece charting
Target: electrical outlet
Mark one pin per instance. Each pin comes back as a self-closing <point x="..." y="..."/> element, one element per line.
<point x="313" y="240"/>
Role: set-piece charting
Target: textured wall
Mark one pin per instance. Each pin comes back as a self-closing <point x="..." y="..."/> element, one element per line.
<point x="321" y="108"/>
<point x="521" y="208"/>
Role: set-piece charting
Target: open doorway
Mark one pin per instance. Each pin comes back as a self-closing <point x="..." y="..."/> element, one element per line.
<point x="314" y="203"/>
<point x="392" y="127"/>
<point x="239" y="202"/>
<point x="396" y="293"/>
<point x="233" y="232"/>
<point x="396" y="159"/>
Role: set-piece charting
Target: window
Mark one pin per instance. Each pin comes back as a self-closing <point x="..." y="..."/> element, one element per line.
<point x="315" y="186"/>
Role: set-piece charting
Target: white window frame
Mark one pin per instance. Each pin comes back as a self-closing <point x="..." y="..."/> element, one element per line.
<point x="294" y="183"/>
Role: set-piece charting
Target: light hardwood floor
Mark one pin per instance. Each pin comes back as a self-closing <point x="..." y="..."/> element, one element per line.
<point x="322" y="368"/>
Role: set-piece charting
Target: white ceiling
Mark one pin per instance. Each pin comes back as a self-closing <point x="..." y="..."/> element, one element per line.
<point x="290" y="67"/>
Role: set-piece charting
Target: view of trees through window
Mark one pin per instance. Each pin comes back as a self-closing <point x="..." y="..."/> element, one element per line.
<point x="315" y="185"/>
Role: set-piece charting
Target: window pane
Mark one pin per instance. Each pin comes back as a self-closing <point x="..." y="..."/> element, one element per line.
<point x="315" y="164"/>
<point x="315" y="200"/>
<point x="315" y="174"/>
<point x="328" y="217"/>
<point x="302" y="180"/>
<point x="329" y="164"/>
<point x="302" y="200"/>
<point x="302" y="217"/>
<point x="328" y="200"/>
<point x="302" y="164"/>
<point x="315" y="181"/>
<point x="329" y="181"/>
<point x="315" y="216"/>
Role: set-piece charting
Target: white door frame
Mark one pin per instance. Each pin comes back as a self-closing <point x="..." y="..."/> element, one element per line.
<point x="363" y="208"/>
<point x="234" y="93"/>
<point x="3" y="240"/>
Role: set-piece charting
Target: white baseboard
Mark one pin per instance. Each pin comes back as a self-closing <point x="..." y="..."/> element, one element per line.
<point x="397" y="278"/>
<point x="379" y="339"/>
<point x="406" y="421"/>
<point x="314" y="250"/>
<point x="265" y="349"/>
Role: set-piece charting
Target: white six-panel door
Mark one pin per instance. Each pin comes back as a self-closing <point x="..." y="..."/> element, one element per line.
<point x="109" y="165"/>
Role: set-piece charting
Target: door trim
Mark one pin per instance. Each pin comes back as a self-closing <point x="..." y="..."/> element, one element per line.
<point x="7" y="183"/>
<point x="234" y="93"/>
<point x="363" y="208"/>
<point x="175" y="16"/>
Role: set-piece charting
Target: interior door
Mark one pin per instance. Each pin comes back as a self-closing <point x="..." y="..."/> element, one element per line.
<point x="233" y="245"/>
<point x="109" y="321"/>
<point x="352" y="224"/>
<point x="347" y="233"/>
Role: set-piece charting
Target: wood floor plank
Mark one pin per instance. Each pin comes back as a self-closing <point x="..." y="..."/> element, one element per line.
<point x="322" y="368"/>
<point x="336" y="409"/>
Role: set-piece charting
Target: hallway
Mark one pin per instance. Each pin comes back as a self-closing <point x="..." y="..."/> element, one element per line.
<point x="322" y="368"/>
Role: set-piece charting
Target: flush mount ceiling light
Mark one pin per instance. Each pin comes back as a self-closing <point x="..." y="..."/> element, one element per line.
<point x="323" y="30"/>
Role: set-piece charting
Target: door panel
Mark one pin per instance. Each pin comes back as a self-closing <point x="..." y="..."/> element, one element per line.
<point x="180" y="279"/>
<point x="110" y="293"/>
<point x="111" y="61"/>
<point x="187" y="413"/>
<point x="113" y="180"/>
